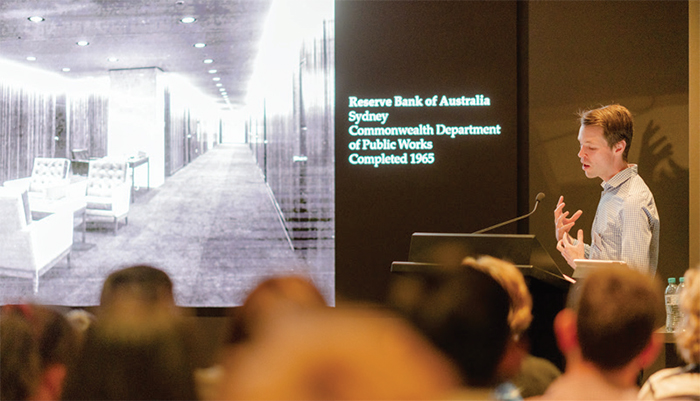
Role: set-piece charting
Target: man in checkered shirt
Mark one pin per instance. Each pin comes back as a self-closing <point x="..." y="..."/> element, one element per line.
<point x="626" y="224"/>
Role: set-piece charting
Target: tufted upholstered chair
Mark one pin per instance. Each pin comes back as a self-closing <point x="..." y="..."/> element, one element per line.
<point x="30" y="248"/>
<point x="48" y="172"/>
<point x="50" y="178"/>
<point x="108" y="191"/>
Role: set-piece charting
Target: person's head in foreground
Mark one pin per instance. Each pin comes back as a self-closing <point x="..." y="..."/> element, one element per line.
<point x="37" y="347"/>
<point x="520" y="314"/>
<point x="688" y="334"/>
<point x="338" y="354"/>
<point x="519" y="371"/>
<point x="278" y="295"/>
<point x="616" y="311"/>
<point x="465" y="313"/>
<point x="606" y="333"/>
<point x="142" y="355"/>
<point x="681" y="382"/>
<point x="141" y="286"/>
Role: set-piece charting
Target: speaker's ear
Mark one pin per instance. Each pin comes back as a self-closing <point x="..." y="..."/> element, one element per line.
<point x="619" y="147"/>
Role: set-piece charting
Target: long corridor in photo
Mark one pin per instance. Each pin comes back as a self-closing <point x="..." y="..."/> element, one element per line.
<point x="212" y="226"/>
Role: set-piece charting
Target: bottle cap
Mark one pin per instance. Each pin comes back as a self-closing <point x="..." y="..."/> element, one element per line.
<point x="672" y="280"/>
<point x="682" y="279"/>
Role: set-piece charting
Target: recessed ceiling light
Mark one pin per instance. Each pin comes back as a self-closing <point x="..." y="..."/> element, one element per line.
<point x="36" y="18"/>
<point x="82" y="43"/>
<point x="212" y="71"/>
<point x="222" y="89"/>
<point x="188" y="20"/>
<point x="208" y="61"/>
<point x="216" y="79"/>
<point x="112" y="59"/>
<point x="31" y="58"/>
<point x="65" y="69"/>
<point x="199" y="45"/>
<point x="219" y="84"/>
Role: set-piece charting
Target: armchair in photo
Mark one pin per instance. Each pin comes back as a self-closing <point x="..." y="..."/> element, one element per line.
<point x="29" y="248"/>
<point x="108" y="191"/>
<point x="50" y="178"/>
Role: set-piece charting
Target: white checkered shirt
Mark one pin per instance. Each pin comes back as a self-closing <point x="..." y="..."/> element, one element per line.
<point x="626" y="224"/>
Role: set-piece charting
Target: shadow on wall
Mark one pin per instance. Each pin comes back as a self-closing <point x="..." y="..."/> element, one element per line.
<point x="669" y="183"/>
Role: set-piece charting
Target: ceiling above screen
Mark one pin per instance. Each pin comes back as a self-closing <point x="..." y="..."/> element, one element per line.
<point x="208" y="42"/>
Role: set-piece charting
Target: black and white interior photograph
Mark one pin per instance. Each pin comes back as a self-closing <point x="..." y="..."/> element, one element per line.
<point x="191" y="136"/>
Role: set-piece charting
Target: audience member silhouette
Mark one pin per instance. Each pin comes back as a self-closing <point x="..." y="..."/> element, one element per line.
<point x="279" y="295"/>
<point x="285" y="343"/>
<point x="139" y="347"/>
<point x="606" y="334"/>
<point x="338" y="354"/>
<point x="464" y="312"/>
<point x="37" y="347"/>
<point x="141" y="287"/>
<point x="682" y="382"/>
<point x="525" y="375"/>
<point x="274" y="296"/>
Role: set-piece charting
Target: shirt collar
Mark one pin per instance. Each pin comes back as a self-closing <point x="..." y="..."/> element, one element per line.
<point x="620" y="177"/>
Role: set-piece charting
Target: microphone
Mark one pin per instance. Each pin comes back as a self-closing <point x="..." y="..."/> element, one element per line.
<point x="538" y="198"/>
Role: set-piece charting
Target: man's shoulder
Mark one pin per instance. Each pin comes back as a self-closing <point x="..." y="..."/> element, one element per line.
<point x="587" y="386"/>
<point x="637" y="190"/>
<point x="637" y="180"/>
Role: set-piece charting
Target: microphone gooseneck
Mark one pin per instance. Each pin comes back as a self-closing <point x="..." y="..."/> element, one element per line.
<point x="538" y="198"/>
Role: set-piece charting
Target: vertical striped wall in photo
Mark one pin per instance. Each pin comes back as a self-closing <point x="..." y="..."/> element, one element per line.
<point x="27" y="129"/>
<point x="31" y="126"/>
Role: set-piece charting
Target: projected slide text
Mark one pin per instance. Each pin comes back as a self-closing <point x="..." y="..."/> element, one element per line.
<point x="375" y="141"/>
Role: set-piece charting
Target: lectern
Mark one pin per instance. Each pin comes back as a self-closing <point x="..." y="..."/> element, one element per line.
<point x="430" y="253"/>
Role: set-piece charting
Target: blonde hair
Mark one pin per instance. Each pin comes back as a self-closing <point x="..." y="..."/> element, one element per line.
<point x="688" y="335"/>
<point x="512" y="280"/>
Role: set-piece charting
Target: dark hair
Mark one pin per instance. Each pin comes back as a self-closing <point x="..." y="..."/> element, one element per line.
<point x="616" y="121"/>
<point x="146" y="283"/>
<point x="139" y="347"/>
<point x="32" y="338"/>
<point x="618" y="309"/>
<point x="142" y="357"/>
<point x="464" y="312"/>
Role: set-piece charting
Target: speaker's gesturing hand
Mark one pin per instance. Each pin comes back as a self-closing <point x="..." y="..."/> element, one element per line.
<point x="562" y="224"/>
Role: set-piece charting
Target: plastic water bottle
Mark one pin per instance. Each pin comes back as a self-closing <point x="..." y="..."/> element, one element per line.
<point x="679" y="291"/>
<point x="671" y="304"/>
